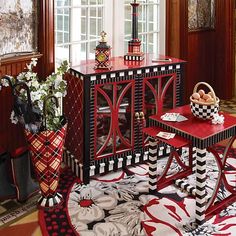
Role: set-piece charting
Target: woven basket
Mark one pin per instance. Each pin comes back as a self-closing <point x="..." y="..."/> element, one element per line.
<point x="204" y="110"/>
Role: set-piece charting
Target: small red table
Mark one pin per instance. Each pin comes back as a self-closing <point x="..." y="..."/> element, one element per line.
<point x="203" y="134"/>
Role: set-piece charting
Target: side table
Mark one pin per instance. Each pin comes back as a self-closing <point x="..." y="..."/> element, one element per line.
<point x="203" y="134"/>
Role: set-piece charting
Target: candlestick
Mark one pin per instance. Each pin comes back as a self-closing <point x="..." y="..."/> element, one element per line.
<point x="134" y="52"/>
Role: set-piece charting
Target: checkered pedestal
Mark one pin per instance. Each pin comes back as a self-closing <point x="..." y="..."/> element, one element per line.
<point x="46" y="149"/>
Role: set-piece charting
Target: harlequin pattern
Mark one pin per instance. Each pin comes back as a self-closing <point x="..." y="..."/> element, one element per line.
<point x="46" y="150"/>
<point x="71" y="103"/>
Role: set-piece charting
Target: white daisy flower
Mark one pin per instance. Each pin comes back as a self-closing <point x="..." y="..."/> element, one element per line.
<point x="13" y="118"/>
<point x="5" y="83"/>
<point x="58" y="94"/>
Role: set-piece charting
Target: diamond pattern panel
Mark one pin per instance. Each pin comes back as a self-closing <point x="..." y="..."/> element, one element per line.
<point x="73" y="108"/>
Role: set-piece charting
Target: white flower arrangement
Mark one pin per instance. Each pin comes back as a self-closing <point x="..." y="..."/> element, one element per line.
<point x="54" y="85"/>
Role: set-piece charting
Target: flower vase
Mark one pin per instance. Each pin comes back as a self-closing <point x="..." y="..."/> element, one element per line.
<point x="46" y="149"/>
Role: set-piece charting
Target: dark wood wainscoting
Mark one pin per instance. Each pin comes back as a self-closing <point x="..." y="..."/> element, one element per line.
<point x="11" y="135"/>
<point x="209" y="52"/>
<point x="201" y="59"/>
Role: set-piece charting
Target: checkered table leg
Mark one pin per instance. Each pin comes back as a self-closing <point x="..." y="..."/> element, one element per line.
<point x="200" y="185"/>
<point x="152" y="170"/>
<point x="194" y="160"/>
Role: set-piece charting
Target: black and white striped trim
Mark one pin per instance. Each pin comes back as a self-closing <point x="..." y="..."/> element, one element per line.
<point x="199" y="143"/>
<point x="133" y="57"/>
<point x="152" y="168"/>
<point x="102" y="167"/>
<point x="50" y="201"/>
<point x="200" y="186"/>
<point x="184" y="185"/>
<point x="194" y="153"/>
<point x="148" y="72"/>
<point x="73" y="163"/>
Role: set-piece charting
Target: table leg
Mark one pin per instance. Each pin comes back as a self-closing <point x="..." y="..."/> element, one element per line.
<point x="194" y="160"/>
<point x="152" y="168"/>
<point x="200" y="185"/>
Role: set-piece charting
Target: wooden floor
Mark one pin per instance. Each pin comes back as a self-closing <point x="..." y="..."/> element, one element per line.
<point x="28" y="226"/>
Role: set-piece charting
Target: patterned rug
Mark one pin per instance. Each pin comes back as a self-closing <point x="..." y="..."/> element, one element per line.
<point x="119" y="204"/>
<point x="11" y="210"/>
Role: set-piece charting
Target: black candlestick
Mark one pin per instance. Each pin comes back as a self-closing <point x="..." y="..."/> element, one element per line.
<point x="134" y="20"/>
<point x="134" y="52"/>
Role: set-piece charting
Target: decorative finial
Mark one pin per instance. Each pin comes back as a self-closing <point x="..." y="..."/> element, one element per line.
<point x="103" y="36"/>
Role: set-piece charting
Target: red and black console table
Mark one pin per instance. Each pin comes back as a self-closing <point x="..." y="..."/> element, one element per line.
<point x="107" y="109"/>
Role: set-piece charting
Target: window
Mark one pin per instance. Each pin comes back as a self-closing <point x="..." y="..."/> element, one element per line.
<point x="78" y="24"/>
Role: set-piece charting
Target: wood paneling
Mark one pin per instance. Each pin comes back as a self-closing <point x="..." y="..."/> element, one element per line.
<point x="11" y="136"/>
<point x="172" y="29"/>
<point x="177" y="33"/>
<point x="201" y="59"/>
<point x="209" y="53"/>
<point x="224" y="50"/>
<point x="46" y="37"/>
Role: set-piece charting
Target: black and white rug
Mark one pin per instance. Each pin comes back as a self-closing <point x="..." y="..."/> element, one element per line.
<point x="119" y="204"/>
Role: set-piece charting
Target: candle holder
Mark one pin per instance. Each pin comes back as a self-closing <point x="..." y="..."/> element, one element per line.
<point x="134" y="45"/>
<point x="102" y="54"/>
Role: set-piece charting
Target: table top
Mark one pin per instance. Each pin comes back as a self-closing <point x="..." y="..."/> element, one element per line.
<point x="176" y="142"/>
<point x="86" y="67"/>
<point x="197" y="130"/>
